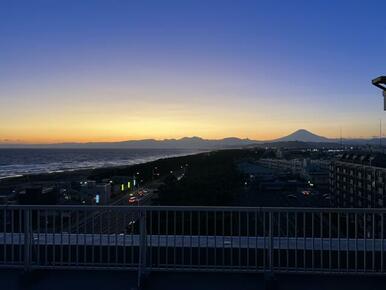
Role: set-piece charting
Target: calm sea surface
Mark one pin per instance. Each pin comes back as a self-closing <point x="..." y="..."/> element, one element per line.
<point x="16" y="162"/>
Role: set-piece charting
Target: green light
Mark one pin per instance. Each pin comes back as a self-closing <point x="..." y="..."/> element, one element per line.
<point x="122" y="187"/>
<point x="128" y="185"/>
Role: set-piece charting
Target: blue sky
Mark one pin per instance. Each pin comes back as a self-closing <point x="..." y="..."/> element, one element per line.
<point x="115" y="70"/>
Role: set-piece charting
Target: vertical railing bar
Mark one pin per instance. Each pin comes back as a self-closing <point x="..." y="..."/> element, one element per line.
<point x="191" y="239"/>
<point x="373" y="258"/>
<point x="54" y="237"/>
<point x="109" y="212"/>
<point x="304" y="241"/>
<point x="159" y="235"/>
<point x="77" y="238"/>
<point x="231" y="237"/>
<point x="175" y="238"/>
<point x="38" y="236"/>
<point x="279" y="239"/>
<point x="61" y="237"/>
<point x="223" y="239"/>
<point x="183" y="240"/>
<point x="199" y="239"/>
<point x="20" y="233"/>
<point x="100" y="236"/>
<point x="93" y="216"/>
<point x="330" y="243"/>
<point x="322" y="241"/>
<point x="115" y="232"/>
<point x="151" y="239"/>
<point x="264" y="242"/>
<point x="207" y="241"/>
<point x="45" y="238"/>
<point x="84" y="237"/>
<point x="348" y="241"/>
<point x="12" y="234"/>
<point x="215" y="238"/>
<point x="142" y="243"/>
<point x="356" y="241"/>
<point x="5" y="235"/>
<point x="365" y="244"/>
<point x="288" y="239"/>
<point x="382" y="234"/>
<point x="69" y="237"/>
<point x="124" y="238"/>
<point x="296" y="240"/>
<point x="132" y="228"/>
<point x="313" y="241"/>
<point x="270" y="242"/>
<point x="339" y="249"/>
<point x="248" y="247"/>
<point x="239" y="250"/>
<point x="27" y="239"/>
<point x="167" y="239"/>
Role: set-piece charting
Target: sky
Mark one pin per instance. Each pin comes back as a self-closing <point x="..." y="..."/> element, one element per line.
<point x="121" y="70"/>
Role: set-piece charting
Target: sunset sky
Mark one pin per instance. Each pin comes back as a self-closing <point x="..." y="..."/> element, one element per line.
<point x="118" y="70"/>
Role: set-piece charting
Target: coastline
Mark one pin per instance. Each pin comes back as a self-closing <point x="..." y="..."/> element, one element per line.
<point x="82" y="173"/>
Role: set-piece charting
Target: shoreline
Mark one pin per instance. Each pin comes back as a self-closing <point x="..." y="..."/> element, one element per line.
<point x="84" y="172"/>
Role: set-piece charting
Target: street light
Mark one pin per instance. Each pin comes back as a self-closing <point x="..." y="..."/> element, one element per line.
<point x="380" y="82"/>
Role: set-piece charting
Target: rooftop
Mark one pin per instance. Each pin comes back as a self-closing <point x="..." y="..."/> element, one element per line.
<point x="365" y="158"/>
<point x="102" y="280"/>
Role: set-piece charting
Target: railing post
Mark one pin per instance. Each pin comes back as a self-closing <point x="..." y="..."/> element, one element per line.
<point x="142" y="248"/>
<point x="269" y="279"/>
<point x="27" y="240"/>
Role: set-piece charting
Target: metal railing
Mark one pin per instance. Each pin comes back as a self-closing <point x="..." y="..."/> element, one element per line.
<point x="233" y="239"/>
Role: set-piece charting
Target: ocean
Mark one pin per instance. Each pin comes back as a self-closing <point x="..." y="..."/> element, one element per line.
<point x="18" y="162"/>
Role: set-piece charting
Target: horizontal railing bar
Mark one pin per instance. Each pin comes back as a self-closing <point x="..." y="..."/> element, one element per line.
<point x="195" y="208"/>
<point x="186" y="241"/>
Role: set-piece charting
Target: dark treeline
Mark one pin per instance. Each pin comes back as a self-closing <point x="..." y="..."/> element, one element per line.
<point x="209" y="179"/>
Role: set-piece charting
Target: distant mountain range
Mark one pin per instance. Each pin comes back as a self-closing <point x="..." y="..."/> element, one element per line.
<point x="301" y="135"/>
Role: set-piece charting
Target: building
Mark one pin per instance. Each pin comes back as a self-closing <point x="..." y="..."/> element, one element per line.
<point x="122" y="184"/>
<point x="293" y="165"/>
<point x="358" y="180"/>
<point x="315" y="171"/>
<point x="97" y="193"/>
<point x="36" y="194"/>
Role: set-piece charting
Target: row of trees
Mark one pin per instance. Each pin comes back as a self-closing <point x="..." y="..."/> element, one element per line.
<point x="210" y="179"/>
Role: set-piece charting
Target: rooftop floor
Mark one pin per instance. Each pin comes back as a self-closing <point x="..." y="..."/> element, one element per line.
<point x="102" y="280"/>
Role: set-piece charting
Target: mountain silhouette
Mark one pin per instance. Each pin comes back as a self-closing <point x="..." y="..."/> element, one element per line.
<point x="303" y="136"/>
<point x="195" y="142"/>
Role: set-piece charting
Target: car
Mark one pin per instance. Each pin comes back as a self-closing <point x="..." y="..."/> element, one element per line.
<point x="132" y="200"/>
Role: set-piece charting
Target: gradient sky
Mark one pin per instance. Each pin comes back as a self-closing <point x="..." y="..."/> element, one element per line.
<point x="117" y="70"/>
